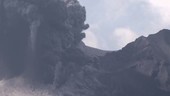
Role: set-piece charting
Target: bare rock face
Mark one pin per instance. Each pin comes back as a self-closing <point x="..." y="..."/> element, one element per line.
<point x="142" y="65"/>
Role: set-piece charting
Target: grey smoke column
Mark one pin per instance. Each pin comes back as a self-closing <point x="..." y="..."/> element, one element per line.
<point x="39" y="32"/>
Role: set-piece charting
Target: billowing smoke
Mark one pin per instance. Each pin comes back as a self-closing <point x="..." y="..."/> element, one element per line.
<point x="18" y="87"/>
<point x="38" y="45"/>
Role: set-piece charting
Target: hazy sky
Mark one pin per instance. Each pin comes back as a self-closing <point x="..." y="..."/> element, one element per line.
<point x="114" y="23"/>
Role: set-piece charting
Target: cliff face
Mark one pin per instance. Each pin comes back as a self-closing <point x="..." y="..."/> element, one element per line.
<point x="142" y="67"/>
<point x="40" y="46"/>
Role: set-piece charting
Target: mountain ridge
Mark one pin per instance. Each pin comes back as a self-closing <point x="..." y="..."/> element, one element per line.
<point x="147" y="56"/>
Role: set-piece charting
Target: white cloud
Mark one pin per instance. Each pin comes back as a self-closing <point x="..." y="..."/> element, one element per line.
<point x="163" y="6"/>
<point x="112" y="6"/>
<point x="123" y="36"/>
<point x="91" y="39"/>
<point x="142" y="16"/>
